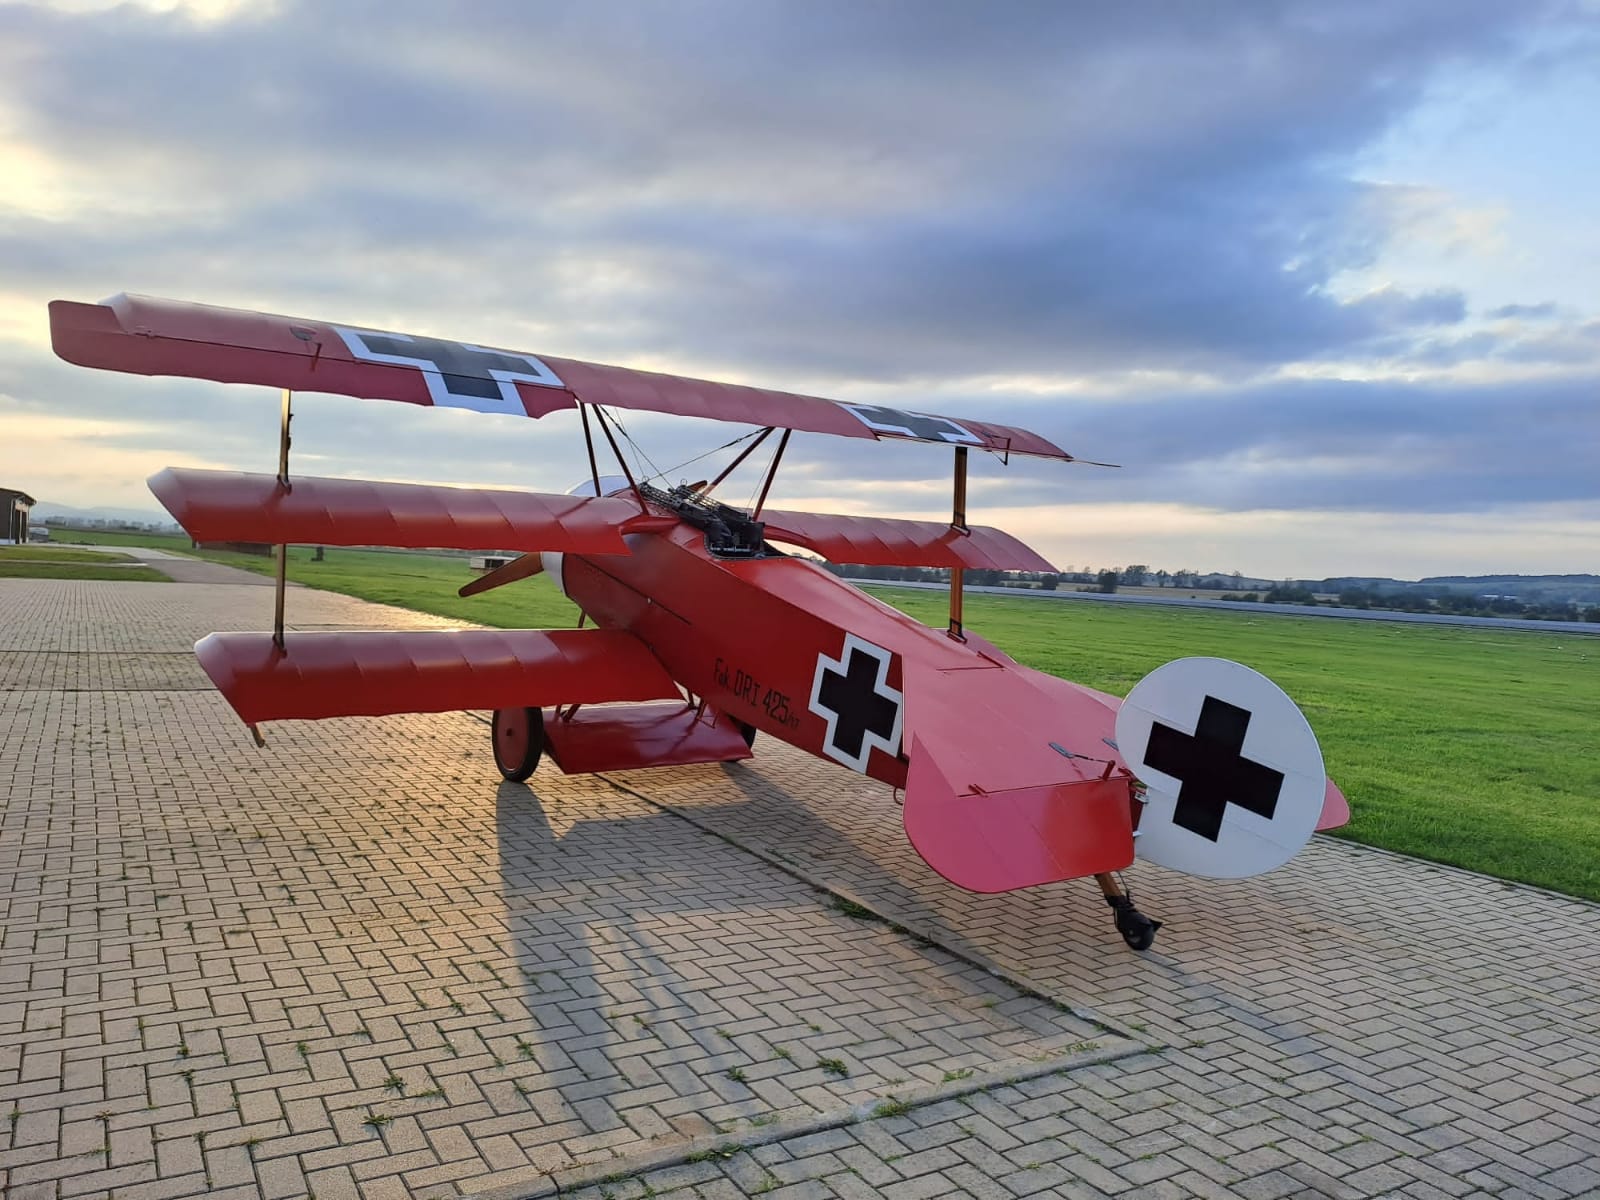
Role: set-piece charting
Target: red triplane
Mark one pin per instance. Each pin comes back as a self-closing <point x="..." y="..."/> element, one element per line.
<point x="705" y="634"/>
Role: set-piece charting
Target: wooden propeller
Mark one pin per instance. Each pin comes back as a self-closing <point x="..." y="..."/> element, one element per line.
<point x="522" y="567"/>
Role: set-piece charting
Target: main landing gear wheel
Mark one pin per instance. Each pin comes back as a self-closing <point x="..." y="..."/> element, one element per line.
<point x="518" y="738"/>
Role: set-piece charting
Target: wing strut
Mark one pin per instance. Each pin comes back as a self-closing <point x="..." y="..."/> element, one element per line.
<point x="772" y="473"/>
<point x="605" y="428"/>
<point x="958" y="522"/>
<point x="588" y="443"/>
<point x="282" y="580"/>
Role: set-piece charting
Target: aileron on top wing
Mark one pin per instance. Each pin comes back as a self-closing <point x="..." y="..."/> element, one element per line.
<point x="144" y="335"/>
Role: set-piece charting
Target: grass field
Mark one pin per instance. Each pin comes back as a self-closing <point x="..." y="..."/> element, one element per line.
<point x="46" y="553"/>
<point x="1478" y="747"/>
<point x="1472" y="746"/>
<point x="59" y="562"/>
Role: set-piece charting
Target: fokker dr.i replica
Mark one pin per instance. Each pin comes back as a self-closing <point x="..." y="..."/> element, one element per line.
<point x="704" y="633"/>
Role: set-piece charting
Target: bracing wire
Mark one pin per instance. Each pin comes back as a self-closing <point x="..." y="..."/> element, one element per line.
<point x="637" y="449"/>
<point x="745" y="437"/>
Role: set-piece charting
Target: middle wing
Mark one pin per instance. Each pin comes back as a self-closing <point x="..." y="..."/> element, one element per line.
<point x="888" y="542"/>
<point x="233" y="506"/>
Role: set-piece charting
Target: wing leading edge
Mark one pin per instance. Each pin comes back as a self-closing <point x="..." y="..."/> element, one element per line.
<point x="144" y="335"/>
<point x="890" y="542"/>
<point x="235" y="506"/>
<point x="318" y="675"/>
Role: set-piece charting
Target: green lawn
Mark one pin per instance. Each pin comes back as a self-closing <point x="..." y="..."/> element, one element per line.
<point x="1473" y="746"/>
<point x="33" y="569"/>
<point x="107" y="537"/>
<point x="35" y="552"/>
<point x="421" y="581"/>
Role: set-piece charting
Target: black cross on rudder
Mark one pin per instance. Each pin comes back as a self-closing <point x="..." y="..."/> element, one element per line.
<point x="1212" y="769"/>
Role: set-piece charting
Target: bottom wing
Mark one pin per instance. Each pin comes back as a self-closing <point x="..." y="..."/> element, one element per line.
<point x="316" y="675"/>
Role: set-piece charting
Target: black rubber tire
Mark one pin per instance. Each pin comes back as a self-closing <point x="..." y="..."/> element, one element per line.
<point x="746" y="731"/>
<point x="517" y="738"/>
<point x="1140" y="937"/>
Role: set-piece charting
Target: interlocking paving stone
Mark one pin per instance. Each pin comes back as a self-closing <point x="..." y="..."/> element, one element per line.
<point x="186" y="913"/>
<point x="354" y="961"/>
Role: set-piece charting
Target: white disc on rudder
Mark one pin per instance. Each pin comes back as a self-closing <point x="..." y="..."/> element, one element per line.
<point x="1233" y="773"/>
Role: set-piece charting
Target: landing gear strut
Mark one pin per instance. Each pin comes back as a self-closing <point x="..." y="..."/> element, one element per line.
<point x="1138" y="930"/>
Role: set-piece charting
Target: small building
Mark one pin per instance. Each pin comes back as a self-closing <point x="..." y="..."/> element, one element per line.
<point x="14" y="508"/>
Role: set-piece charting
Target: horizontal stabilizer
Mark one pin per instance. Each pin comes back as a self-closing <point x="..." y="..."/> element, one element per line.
<point x="887" y="542"/>
<point x="316" y="675"/>
<point x="1021" y="837"/>
<point x="1012" y="780"/>
<point x="232" y="506"/>
<point x="144" y="335"/>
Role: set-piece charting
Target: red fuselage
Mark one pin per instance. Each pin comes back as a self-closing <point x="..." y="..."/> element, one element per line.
<point x="746" y="635"/>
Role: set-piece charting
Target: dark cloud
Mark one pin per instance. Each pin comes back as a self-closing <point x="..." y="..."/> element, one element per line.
<point x="900" y="190"/>
<point x="1525" y="312"/>
<point x="891" y="202"/>
<point x="1298" y="445"/>
<point x="1336" y="445"/>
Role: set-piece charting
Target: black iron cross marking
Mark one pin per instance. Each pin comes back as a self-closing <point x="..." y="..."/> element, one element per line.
<point x="933" y="429"/>
<point x="465" y="370"/>
<point x="858" y="706"/>
<point x="1212" y="768"/>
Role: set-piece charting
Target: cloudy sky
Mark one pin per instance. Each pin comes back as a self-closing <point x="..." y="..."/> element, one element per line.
<point x="1322" y="277"/>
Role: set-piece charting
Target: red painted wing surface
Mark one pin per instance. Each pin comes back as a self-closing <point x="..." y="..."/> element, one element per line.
<point x="148" y="336"/>
<point x="1335" y="808"/>
<point x="232" y="506"/>
<point x="990" y="803"/>
<point x="884" y="541"/>
<point x="320" y="675"/>
<point x="623" y="737"/>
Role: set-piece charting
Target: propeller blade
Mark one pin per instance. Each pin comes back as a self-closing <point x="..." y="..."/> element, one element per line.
<point x="518" y="568"/>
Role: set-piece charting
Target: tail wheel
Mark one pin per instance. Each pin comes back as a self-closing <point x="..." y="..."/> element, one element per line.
<point x="518" y="739"/>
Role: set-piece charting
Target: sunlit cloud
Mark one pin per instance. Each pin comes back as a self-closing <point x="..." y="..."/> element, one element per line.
<point x="1269" y="262"/>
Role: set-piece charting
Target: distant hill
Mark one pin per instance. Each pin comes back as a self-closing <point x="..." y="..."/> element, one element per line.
<point x="45" y="510"/>
<point x="1544" y="589"/>
<point x="1537" y="580"/>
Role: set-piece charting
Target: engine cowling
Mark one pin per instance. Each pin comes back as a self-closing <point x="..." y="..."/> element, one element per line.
<point x="610" y="485"/>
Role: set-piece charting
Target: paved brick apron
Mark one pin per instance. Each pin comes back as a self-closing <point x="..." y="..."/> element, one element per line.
<point x="223" y="968"/>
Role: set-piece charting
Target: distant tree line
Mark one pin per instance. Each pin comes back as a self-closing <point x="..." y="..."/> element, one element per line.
<point x="1450" y="597"/>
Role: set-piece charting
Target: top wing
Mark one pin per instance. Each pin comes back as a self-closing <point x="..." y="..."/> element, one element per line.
<point x="148" y="336"/>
